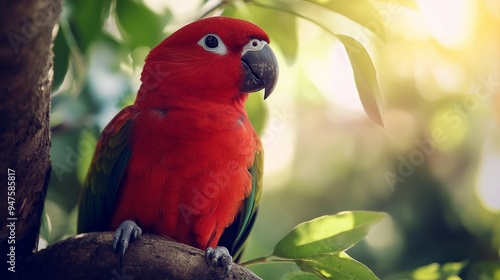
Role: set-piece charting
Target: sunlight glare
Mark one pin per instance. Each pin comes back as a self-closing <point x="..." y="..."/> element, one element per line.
<point x="334" y="78"/>
<point x="449" y="21"/>
<point x="385" y="229"/>
<point x="489" y="182"/>
<point x="279" y="145"/>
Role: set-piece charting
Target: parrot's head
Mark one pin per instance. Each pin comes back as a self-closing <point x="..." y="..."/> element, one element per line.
<point x="219" y="59"/>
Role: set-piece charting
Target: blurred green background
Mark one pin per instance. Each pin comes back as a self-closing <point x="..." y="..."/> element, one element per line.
<point x="434" y="167"/>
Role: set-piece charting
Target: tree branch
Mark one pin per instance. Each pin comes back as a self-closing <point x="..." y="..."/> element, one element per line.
<point x="25" y="83"/>
<point x="90" y="256"/>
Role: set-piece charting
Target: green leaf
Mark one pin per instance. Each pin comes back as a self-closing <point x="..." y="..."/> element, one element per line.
<point x="327" y="234"/>
<point x="72" y="63"/>
<point x="61" y="59"/>
<point x="333" y="22"/>
<point x="364" y="72"/>
<point x="338" y="267"/>
<point x="87" y="19"/>
<point x="365" y="77"/>
<point x="140" y="25"/>
<point x="362" y="12"/>
<point x="405" y="3"/>
<point x="433" y="271"/>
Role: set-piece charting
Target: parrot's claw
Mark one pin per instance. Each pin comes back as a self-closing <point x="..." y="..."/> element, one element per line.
<point x="219" y="257"/>
<point x="128" y="231"/>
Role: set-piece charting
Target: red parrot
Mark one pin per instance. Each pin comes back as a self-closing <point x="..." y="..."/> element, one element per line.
<point x="184" y="161"/>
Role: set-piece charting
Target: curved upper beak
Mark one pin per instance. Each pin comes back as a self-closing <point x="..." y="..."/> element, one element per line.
<point x="260" y="70"/>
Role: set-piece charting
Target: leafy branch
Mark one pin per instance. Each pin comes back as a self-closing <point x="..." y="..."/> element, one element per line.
<point x="318" y="246"/>
<point x="329" y="15"/>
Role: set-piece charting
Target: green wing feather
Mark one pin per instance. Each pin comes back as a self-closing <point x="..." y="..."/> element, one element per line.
<point x="97" y="199"/>
<point x="235" y="235"/>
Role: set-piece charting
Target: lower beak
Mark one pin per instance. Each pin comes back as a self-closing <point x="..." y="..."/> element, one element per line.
<point x="260" y="70"/>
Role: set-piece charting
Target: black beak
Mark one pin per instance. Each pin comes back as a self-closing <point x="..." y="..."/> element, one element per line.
<point x="260" y="70"/>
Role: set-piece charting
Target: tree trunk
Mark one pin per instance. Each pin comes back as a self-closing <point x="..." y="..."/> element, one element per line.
<point x="25" y="85"/>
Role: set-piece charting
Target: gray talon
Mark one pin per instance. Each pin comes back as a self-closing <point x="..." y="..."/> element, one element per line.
<point x="219" y="257"/>
<point x="128" y="231"/>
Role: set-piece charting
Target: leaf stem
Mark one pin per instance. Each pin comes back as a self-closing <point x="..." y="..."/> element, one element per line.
<point x="265" y="260"/>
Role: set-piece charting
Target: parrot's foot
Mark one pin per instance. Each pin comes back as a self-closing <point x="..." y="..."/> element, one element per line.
<point x="128" y="231"/>
<point x="219" y="257"/>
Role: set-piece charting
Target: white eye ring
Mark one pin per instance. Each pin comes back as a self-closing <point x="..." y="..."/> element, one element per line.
<point x="213" y="43"/>
<point x="253" y="45"/>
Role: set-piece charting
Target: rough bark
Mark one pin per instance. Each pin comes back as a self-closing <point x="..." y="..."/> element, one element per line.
<point x="25" y="84"/>
<point x="90" y="256"/>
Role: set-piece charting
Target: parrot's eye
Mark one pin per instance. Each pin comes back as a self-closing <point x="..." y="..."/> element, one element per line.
<point x="213" y="43"/>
